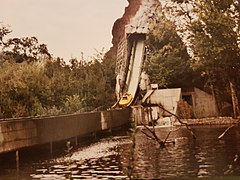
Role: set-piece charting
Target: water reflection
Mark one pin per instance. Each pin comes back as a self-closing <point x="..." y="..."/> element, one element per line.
<point x="105" y="167"/>
<point x="111" y="158"/>
<point x="98" y="161"/>
<point x="203" y="157"/>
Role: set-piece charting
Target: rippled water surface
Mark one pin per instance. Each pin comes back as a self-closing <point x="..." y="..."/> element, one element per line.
<point x="118" y="158"/>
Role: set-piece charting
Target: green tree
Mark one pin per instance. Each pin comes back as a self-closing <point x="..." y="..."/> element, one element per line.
<point x="168" y="62"/>
<point x="31" y="87"/>
<point x="213" y="36"/>
<point x="73" y="104"/>
<point x="25" y="49"/>
<point x="22" y="49"/>
<point x="215" y="45"/>
<point x="3" y="32"/>
<point x="23" y="89"/>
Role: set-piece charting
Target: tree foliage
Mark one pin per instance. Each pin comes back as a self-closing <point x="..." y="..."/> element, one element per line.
<point x="168" y="62"/>
<point x="25" y="49"/>
<point x="215" y="44"/>
<point x="22" y="49"/>
<point x="30" y="87"/>
<point x="212" y="34"/>
<point x="3" y="32"/>
<point x="23" y="87"/>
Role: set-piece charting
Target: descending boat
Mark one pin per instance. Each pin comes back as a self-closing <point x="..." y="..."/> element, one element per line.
<point x="125" y="100"/>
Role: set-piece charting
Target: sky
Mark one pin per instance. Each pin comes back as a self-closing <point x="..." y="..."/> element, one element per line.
<point x="68" y="27"/>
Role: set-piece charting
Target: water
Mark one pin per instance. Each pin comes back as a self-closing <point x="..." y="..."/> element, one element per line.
<point x="117" y="158"/>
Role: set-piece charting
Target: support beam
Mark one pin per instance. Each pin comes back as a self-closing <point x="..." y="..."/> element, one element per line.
<point x="76" y="140"/>
<point x="17" y="160"/>
<point x="51" y="147"/>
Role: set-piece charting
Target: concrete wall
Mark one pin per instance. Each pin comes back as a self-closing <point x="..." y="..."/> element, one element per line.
<point x="168" y="98"/>
<point x="52" y="129"/>
<point x="17" y="133"/>
<point x="205" y="105"/>
<point x="25" y="132"/>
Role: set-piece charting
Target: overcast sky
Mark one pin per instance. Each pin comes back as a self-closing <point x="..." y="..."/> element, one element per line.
<point x="68" y="27"/>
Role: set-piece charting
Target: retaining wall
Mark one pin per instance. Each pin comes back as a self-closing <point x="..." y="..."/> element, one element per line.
<point x="26" y="132"/>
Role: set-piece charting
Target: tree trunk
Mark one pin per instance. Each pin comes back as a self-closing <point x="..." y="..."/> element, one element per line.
<point x="218" y="108"/>
<point x="234" y="100"/>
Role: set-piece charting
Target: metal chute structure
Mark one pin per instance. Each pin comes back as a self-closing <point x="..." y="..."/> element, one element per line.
<point x="129" y="76"/>
<point x="131" y="53"/>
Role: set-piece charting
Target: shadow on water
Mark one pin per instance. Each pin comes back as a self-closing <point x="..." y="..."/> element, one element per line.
<point x="109" y="158"/>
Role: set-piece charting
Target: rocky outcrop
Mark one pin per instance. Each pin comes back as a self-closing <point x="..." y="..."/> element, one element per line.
<point x="118" y="30"/>
<point x="136" y="18"/>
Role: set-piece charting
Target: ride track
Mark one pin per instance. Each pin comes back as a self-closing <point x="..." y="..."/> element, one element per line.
<point x="134" y="70"/>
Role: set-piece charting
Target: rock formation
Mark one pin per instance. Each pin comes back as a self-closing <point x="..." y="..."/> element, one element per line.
<point x="118" y="30"/>
<point x="135" y="19"/>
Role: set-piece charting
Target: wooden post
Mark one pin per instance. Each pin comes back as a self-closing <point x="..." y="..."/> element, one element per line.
<point x="17" y="160"/>
<point x="110" y="131"/>
<point x="234" y="100"/>
<point x="219" y="110"/>
<point x="94" y="134"/>
<point x="51" y="147"/>
<point x="76" y="140"/>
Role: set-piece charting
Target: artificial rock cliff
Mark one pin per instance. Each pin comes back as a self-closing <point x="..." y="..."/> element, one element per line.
<point x="135" y="19"/>
<point x="118" y="29"/>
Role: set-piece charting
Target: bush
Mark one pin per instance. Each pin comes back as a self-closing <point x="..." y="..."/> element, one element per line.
<point x="184" y="110"/>
<point x="73" y="104"/>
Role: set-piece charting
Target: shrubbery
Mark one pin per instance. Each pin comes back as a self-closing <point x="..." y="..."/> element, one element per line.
<point x="53" y="88"/>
